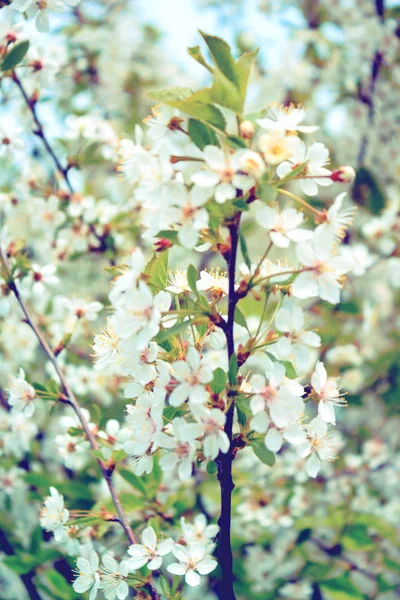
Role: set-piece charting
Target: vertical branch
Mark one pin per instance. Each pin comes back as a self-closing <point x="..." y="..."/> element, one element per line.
<point x="224" y="461"/>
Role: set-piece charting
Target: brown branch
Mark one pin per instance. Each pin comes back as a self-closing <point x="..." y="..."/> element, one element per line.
<point x="63" y="171"/>
<point x="224" y="461"/>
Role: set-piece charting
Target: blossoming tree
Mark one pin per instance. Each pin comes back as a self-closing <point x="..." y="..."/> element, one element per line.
<point x="220" y="258"/>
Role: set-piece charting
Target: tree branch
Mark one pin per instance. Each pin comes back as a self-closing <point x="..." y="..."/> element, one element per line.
<point x="224" y="461"/>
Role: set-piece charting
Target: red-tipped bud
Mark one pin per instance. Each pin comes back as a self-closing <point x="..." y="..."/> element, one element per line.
<point x="162" y="244"/>
<point x="344" y="175"/>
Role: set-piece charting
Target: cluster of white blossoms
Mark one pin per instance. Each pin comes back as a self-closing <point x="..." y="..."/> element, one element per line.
<point x="191" y="554"/>
<point x="40" y="10"/>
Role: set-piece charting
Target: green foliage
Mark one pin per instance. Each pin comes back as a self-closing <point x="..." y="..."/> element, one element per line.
<point x="233" y="370"/>
<point x="187" y="102"/>
<point x="262" y="453"/>
<point x="218" y="383"/>
<point x="192" y="277"/>
<point x="15" y="55"/>
<point x="201" y="134"/>
<point x="367" y="191"/>
<point x="341" y="588"/>
<point x="157" y="270"/>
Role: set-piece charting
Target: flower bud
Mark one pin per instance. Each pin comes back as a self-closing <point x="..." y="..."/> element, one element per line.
<point x="344" y="174"/>
<point x="246" y="130"/>
<point x="162" y="244"/>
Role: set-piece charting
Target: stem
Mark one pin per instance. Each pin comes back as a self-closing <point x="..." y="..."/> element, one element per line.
<point x="224" y="461"/>
<point x="298" y="199"/>
<point x="63" y="171"/>
<point x="71" y="399"/>
<point x="40" y="132"/>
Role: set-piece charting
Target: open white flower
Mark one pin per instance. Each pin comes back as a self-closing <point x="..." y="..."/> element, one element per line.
<point x="144" y="422"/>
<point x="150" y="552"/>
<point x="54" y="515"/>
<point x="199" y="532"/>
<point x="192" y="563"/>
<point x="214" y="281"/>
<point x="286" y="118"/>
<point x="215" y="439"/>
<point x="181" y="447"/>
<point x="328" y="393"/>
<point x="192" y="374"/>
<point x="22" y="394"/>
<point x="105" y="347"/>
<point x="10" y="140"/>
<point x="88" y="575"/>
<point x="83" y="308"/>
<point x="188" y="211"/>
<point x="296" y="343"/>
<point x="274" y="147"/>
<point x="338" y="219"/>
<point x="315" y="158"/>
<point x="320" y="446"/>
<point x="221" y="174"/>
<point x="324" y="271"/>
<point x="280" y="398"/>
<point x="284" y="226"/>
<point x="113" y="576"/>
<point x="39" y="10"/>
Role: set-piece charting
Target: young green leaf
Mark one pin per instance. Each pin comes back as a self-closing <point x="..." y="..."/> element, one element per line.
<point x="218" y="383"/>
<point x="15" y="55"/>
<point x="263" y="454"/>
<point x="192" y="277"/>
<point x="201" y="134"/>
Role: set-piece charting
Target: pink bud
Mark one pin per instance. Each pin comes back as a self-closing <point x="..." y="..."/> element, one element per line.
<point x="344" y="175"/>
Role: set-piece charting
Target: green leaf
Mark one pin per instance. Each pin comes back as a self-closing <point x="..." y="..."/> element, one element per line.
<point x="15" y="55"/>
<point x="133" y="480"/>
<point x="187" y="102"/>
<point x="266" y="193"/>
<point x="356" y="538"/>
<point x="59" y="585"/>
<point x="290" y="370"/>
<point x="169" y="235"/>
<point x="222" y="57"/>
<point x="236" y="142"/>
<point x="36" y="540"/>
<point x="240" y="318"/>
<point x="196" y="53"/>
<point x="164" y="335"/>
<point x="192" y="277"/>
<point x="211" y="467"/>
<point x="218" y="383"/>
<point x="233" y="370"/>
<point x="341" y="588"/>
<point x="244" y="250"/>
<point x="85" y="521"/>
<point x="202" y="134"/>
<point x="157" y="270"/>
<point x="263" y="454"/>
<point x="244" y="64"/>
<point x="367" y="191"/>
